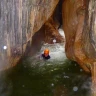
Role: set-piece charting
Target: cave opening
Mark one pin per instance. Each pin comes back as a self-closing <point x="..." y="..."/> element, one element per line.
<point x="57" y="16"/>
<point x="50" y="33"/>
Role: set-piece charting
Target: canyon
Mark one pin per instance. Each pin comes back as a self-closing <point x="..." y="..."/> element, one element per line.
<point x="24" y="24"/>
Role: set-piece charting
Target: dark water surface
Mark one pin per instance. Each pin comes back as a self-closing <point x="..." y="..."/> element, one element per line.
<point x="45" y="79"/>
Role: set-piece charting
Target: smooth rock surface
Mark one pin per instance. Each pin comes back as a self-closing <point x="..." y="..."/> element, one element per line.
<point x="19" y="20"/>
<point x="78" y="28"/>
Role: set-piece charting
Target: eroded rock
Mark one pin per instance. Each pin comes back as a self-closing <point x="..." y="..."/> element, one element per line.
<point x="79" y="26"/>
<point x="51" y="32"/>
<point x="77" y="32"/>
<point x="19" y="21"/>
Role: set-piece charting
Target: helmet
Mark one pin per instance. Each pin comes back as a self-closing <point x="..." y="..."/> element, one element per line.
<point x="46" y="51"/>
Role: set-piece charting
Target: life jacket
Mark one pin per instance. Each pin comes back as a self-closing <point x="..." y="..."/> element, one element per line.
<point x="46" y="58"/>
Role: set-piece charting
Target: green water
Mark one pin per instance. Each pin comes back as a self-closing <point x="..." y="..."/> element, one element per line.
<point x="47" y="79"/>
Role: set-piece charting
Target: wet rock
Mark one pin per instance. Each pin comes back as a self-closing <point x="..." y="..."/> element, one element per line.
<point x="19" y="21"/>
<point x="51" y="32"/>
<point x="80" y="33"/>
<point x="79" y="30"/>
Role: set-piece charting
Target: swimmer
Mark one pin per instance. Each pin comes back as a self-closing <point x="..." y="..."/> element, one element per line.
<point x="46" y="55"/>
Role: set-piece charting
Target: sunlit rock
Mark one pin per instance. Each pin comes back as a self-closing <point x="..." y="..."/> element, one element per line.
<point x="79" y="31"/>
<point x="79" y="20"/>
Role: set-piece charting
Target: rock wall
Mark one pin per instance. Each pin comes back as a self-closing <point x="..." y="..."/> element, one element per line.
<point x="75" y="21"/>
<point x="19" y="20"/>
<point x="79" y="23"/>
<point x="51" y="32"/>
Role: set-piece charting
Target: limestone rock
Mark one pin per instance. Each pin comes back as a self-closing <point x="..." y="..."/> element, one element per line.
<point x="79" y="27"/>
<point x="51" y="32"/>
<point x="19" y="21"/>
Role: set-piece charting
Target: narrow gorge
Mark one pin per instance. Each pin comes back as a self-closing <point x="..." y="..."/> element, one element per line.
<point x="25" y="25"/>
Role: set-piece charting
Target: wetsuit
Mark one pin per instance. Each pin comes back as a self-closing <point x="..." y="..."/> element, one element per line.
<point x="46" y="58"/>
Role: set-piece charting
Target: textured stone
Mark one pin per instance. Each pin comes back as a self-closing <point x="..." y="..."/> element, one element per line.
<point x="77" y="32"/>
<point x="19" y="20"/>
<point x="51" y="32"/>
<point x="79" y="23"/>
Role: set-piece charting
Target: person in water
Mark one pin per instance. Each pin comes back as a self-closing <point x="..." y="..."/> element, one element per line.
<point x="46" y="55"/>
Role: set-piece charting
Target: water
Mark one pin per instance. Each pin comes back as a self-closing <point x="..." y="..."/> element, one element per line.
<point x="59" y="79"/>
<point x="55" y="77"/>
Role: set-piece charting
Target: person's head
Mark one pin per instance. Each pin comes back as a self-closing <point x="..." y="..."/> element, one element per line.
<point x="46" y="52"/>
